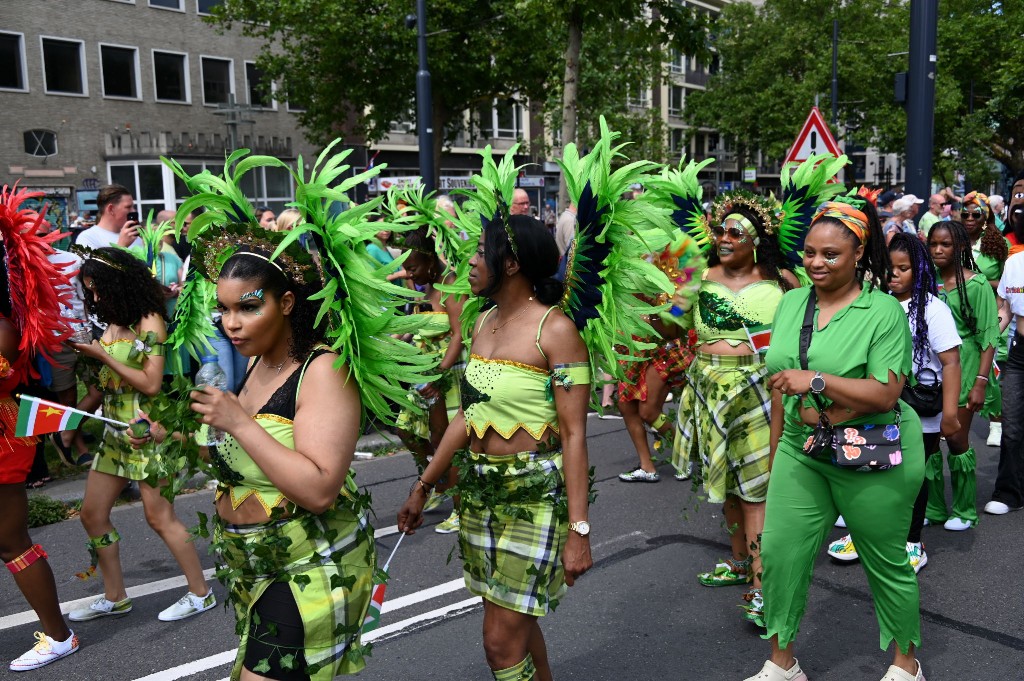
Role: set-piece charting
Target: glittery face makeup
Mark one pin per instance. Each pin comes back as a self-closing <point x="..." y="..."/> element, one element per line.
<point x="258" y="293"/>
<point x="831" y="262"/>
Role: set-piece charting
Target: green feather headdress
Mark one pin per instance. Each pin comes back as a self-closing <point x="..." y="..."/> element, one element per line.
<point x="608" y="278"/>
<point x="803" y="189"/>
<point x="361" y="306"/>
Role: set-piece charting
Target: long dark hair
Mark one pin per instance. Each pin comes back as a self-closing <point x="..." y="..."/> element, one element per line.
<point x="992" y="242"/>
<point x="924" y="283"/>
<point x="306" y="333"/>
<point x="963" y="258"/>
<point x="767" y="254"/>
<point x="537" y="256"/>
<point x="123" y="289"/>
<point x="875" y="261"/>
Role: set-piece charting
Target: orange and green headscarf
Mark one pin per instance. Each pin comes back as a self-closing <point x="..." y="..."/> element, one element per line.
<point x="981" y="200"/>
<point x="855" y="220"/>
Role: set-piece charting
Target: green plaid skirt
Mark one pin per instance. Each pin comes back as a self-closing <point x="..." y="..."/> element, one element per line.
<point x="514" y="524"/>
<point x="723" y="425"/>
<point x="329" y="560"/>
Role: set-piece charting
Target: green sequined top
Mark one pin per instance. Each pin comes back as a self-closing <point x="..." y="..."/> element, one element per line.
<point x="724" y="314"/>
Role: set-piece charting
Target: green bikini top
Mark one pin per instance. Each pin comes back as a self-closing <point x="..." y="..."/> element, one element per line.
<point x="507" y="396"/>
<point x="724" y="314"/>
<point x="238" y="474"/>
<point x="128" y="351"/>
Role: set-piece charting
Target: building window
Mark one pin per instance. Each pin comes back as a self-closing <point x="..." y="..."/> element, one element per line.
<point x="677" y="62"/>
<point x="12" y="62"/>
<point x="168" y="4"/>
<point x="64" y="67"/>
<point x="170" y="75"/>
<point x="206" y="6"/>
<point x="638" y="97"/>
<point x="40" y="143"/>
<point x="507" y="119"/>
<point x="259" y="88"/>
<point x="218" y="83"/>
<point x="145" y="181"/>
<point x="268" y="186"/>
<point x="119" y="67"/>
<point x="676" y="101"/>
<point x="677" y="140"/>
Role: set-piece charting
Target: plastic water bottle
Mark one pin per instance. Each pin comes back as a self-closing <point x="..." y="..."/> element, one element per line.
<point x="211" y="374"/>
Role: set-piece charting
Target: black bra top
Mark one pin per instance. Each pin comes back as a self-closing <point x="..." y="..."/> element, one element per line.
<point x="282" y="402"/>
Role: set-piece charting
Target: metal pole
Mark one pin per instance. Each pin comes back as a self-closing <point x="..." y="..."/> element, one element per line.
<point x="921" y="97"/>
<point x="424" y="103"/>
<point x="835" y="75"/>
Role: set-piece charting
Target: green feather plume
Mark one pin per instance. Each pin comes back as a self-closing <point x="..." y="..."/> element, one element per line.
<point x="803" y="189"/>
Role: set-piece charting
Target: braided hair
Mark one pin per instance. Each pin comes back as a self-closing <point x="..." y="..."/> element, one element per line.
<point x="924" y="284"/>
<point x="767" y="254"/>
<point x="963" y="259"/>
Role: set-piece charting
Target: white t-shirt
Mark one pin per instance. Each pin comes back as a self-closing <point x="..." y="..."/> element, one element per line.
<point x="97" y="237"/>
<point x="1011" y="284"/>
<point x="69" y="264"/>
<point x="942" y="336"/>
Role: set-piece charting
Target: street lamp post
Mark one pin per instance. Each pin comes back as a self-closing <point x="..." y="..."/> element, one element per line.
<point x="424" y="103"/>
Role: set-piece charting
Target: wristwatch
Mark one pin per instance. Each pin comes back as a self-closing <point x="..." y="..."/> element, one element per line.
<point x="582" y="528"/>
<point x="818" y="383"/>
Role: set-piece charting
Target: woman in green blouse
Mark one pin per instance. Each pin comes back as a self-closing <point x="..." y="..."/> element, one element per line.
<point x="973" y="303"/>
<point x="858" y="360"/>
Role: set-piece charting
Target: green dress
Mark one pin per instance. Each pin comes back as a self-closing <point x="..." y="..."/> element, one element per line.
<point x="121" y="402"/>
<point x="982" y="300"/>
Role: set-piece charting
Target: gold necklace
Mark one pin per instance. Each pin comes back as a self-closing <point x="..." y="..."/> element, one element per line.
<point x="507" y="321"/>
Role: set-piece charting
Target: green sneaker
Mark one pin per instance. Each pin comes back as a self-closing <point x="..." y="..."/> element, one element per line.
<point x="433" y="501"/>
<point x="449" y="524"/>
<point x="727" y="573"/>
<point x="101" y="607"/>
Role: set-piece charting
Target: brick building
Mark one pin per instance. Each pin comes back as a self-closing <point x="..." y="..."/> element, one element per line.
<point x="95" y="91"/>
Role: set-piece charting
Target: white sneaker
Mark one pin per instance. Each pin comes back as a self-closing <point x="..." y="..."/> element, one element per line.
<point x="995" y="434"/>
<point x="842" y="549"/>
<point x="917" y="556"/>
<point x="999" y="508"/>
<point x="897" y="674"/>
<point x="773" y="672"/>
<point x="639" y="475"/>
<point x="45" y="651"/>
<point x="101" y="607"/>
<point x="188" y="605"/>
<point x="840" y="522"/>
<point x="957" y="524"/>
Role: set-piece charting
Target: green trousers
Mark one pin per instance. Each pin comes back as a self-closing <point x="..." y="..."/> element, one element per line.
<point x="805" y="496"/>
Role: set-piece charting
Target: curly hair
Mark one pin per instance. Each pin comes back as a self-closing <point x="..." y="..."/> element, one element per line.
<point x="123" y="289"/>
<point x="306" y="333"/>
<point x="875" y="261"/>
<point x="767" y="254"/>
<point x="963" y="259"/>
<point x="924" y="283"/>
<point x="992" y="242"/>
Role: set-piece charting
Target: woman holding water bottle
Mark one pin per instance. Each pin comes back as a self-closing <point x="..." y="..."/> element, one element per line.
<point x="131" y="352"/>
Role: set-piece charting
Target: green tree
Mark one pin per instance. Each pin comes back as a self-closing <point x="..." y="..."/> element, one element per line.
<point x="777" y="58"/>
<point x="352" y="64"/>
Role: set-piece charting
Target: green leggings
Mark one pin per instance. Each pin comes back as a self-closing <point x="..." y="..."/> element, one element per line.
<point x="805" y="496"/>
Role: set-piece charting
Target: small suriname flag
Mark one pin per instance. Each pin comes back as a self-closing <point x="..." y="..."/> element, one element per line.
<point x="372" y="620"/>
<point x="760" y="336"/>
<point x="38" y="417"/>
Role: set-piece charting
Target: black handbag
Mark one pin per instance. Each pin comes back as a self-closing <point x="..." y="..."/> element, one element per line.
<point x="864" y="447"/>
<point x="924" y="398"/>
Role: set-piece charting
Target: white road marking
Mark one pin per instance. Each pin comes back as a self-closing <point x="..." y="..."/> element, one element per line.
<point x="227" y="657"/>
<point x="147" y="589"/>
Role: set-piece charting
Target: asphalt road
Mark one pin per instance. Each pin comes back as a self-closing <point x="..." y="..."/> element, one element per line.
<point x="639" y="614"/>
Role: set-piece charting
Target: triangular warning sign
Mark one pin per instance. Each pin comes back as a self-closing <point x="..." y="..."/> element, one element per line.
<point x="814" y="138"/>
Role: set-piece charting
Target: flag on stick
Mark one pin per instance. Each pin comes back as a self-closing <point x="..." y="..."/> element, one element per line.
<point x="372" y="620"/>
<point x="37" y="416"/>
<point x="760" y="336"/>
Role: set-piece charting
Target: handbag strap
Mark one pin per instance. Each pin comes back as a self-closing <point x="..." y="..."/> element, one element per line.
<point x="806" y="334"/>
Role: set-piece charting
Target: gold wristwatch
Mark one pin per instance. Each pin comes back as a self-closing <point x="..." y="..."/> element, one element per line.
<point x="582" y="528"/>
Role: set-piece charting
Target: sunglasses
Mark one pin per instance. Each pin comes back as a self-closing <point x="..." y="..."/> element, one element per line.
<point x="718" y="231"/>
<point x="976" y="214"/>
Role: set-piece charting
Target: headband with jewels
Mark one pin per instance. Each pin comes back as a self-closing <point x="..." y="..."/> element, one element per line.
<point x="86" y="253"/>
<point x="764" y="207"/>
<point x="214" y="247"/>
